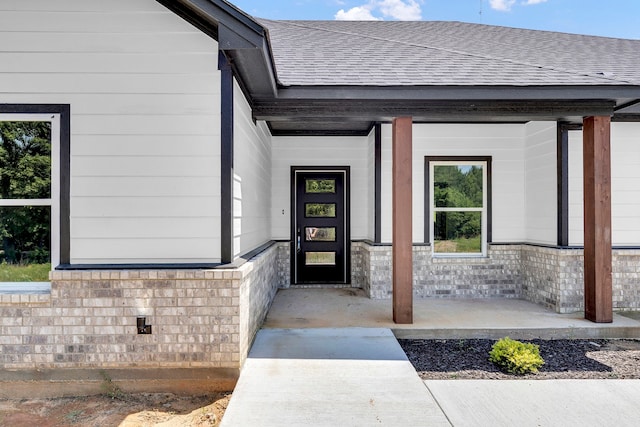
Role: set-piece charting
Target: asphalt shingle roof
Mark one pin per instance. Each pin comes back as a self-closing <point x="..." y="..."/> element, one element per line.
<point x="392" y="53"/>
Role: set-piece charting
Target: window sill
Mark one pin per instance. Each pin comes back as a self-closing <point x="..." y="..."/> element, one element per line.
<point x="477" y="259"/>
<point x="24" y="293"/>
<point x="25" y="288"/>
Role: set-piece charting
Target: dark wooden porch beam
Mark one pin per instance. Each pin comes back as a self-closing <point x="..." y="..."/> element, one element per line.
<point x="350" y="109"/>
<point x="598" y="298"/>
<point x="402" y="228"/>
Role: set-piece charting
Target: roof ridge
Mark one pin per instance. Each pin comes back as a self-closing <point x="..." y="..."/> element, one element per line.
<point x="458" y="52"/>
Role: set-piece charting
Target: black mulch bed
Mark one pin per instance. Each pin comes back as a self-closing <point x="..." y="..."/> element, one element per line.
<point x="564" y="359"/>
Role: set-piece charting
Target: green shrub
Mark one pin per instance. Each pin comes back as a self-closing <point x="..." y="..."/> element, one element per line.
<point x="516" y="357"/>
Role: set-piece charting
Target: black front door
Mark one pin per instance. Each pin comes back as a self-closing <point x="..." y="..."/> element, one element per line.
<point x="320" y="225"/>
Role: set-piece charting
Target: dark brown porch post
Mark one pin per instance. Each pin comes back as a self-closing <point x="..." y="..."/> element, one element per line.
<point x="402" y="236"/>
<point x="598" y="299"/>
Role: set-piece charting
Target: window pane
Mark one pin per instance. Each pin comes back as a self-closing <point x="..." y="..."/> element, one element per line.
<point x="320" y="185"/>
<point x="457" y="232"/>
<point x="320" y="258"/>
<point x="320" y="234"/>
<point x="457" y="186"/>
<point x="25" y="243"/>
<point x="25" y="160"/>
<point x="320" y="210"/>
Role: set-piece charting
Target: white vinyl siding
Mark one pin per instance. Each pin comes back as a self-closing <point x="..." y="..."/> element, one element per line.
<point x="320" y="151"/>
<point x="252" y="178"/>
<point x="625" y="185"/>
<point x="143" y="86"/>
<point x="503" y="142"/>
<point x="541" y="201"/>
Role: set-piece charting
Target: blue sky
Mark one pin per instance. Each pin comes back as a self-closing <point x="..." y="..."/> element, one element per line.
<point x="612" y="18"/>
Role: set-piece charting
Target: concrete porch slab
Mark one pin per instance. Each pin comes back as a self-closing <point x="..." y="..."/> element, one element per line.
<point x="438" y="318"/>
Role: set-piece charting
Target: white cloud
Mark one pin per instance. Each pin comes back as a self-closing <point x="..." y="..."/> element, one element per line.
<point x="402" y="10"/>
<point x="408" y="10"/>
<point x="359" y="13"/>
<point x="502" y="5"/>
<point x="534" y="2"/>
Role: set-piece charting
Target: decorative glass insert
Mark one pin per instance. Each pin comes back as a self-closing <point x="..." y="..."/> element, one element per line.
<point x="320" y="258"/>
<point x="458" y="232"/>
<point x="320" y="210"/>
<point x="320" y="185"/>
<point x="320" y="234"/>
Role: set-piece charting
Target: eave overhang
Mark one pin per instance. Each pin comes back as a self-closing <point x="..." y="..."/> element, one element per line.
<point x="356" y="108"/>
<point x="352" y="110"/>
<point x="239" y="36"/>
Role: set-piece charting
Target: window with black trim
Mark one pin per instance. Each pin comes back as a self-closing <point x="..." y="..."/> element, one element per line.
<point x="458" y="205"/>
<point x="29" y="196"/>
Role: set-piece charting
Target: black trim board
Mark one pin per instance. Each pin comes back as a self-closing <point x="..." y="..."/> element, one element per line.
<point x="562" y="159"/>
<point x="317" y="132"/>
<point x="427" y="192"/>
<point x="139" y="266"/>
<point x="199" y="21"/>
<point x="65" y="164"/>
<point x="557" y="97"/>
<point x="242" y="39"/>
<point x="226" y="159"/>
<point x="378" y="183"/>
<point x="173" y="266"/>
<point x="209" y="15"/>
<point x="628" y="118"/>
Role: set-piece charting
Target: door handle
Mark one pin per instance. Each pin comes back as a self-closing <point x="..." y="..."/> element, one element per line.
<point x="298" y="242"/>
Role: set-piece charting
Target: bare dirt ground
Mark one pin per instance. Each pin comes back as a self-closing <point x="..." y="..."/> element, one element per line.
<point x="432" y="359"/>
<point x="141" y="410"/>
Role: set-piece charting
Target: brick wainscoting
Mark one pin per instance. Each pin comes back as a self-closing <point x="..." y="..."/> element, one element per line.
<point x="201" y="320"/>
<point x="552" y="277"/>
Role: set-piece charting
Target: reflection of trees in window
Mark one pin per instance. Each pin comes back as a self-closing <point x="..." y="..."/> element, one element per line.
<point x="320" y="210"/>
<point x="458" y="202"/>
<point x="458" y="186"/>
<point x="321" y="234"/>
<point x="25" y="174"/>
<point x="320" y="185"/>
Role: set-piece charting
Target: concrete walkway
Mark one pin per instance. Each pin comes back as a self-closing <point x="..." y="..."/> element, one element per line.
<point x="328" y="357"/>
<point x="330" y="377"/>
<point x="597" y="403"/>
<point x="361" y="377"/>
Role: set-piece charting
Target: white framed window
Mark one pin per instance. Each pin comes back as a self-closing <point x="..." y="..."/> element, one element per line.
<point x="29" y="196"/>
<point x="458" y="190"/>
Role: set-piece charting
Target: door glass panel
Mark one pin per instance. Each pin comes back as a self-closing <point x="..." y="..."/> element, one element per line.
<point x="320" y="234"/>
<point x="458" y="232"/>
<point x="320" y="185"/>
<point x="320" y="210"/>
<point x="320" y="258"/>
